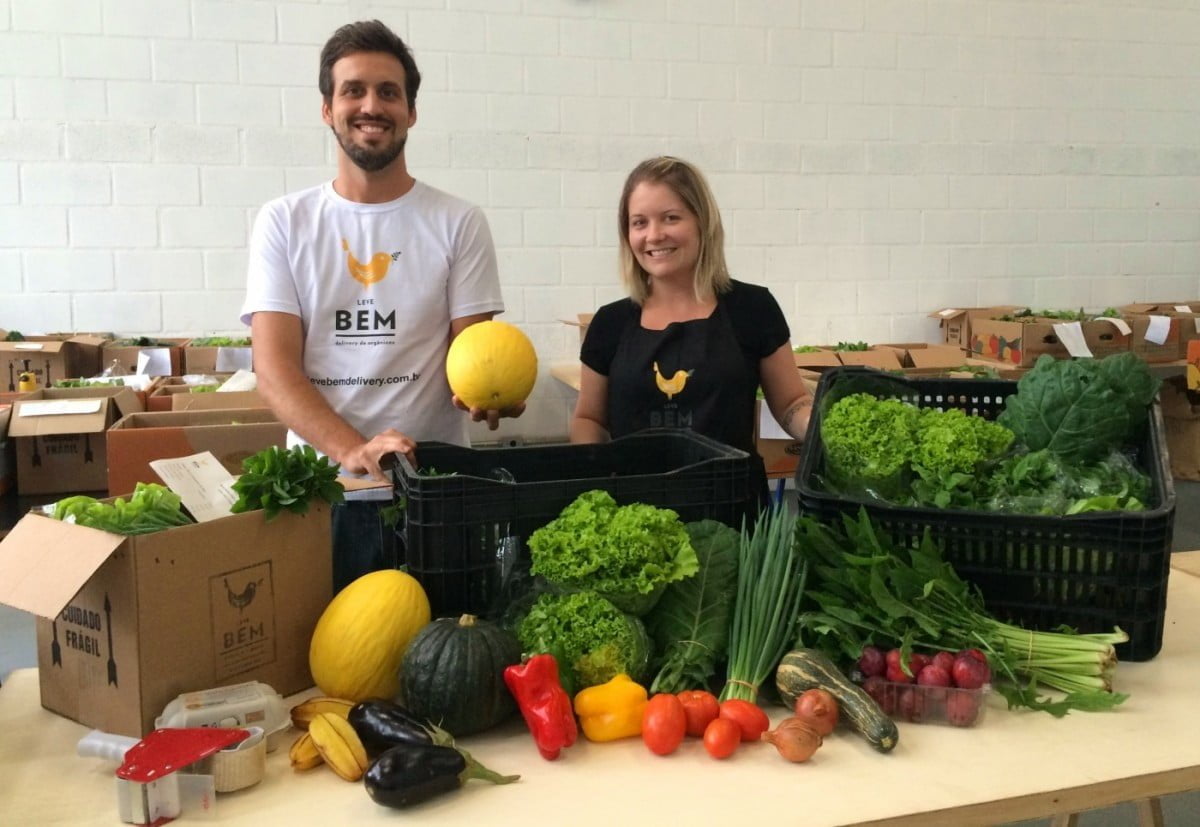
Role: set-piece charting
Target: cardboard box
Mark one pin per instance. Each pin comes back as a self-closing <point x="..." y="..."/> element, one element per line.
<point x="1184" y="321"/>
<point x="59" y="434"/>
<point x="49" y="358"/>
<point x="582" y="322"/>
<point x="231" y="435"/>
<point x="1021" y="343"/>
<point x="816" y="359"/>
<point x="922" y="355"/>
<point x="160" y="399"/>
<point x="126" y="624"/>
<point x="883" y="358"/>
<point x="126" y="356"/>
<point x="955" y="322"/>
<point x="1181" y="415"/>
<point x="203" y="359"/>
<point x="216" y="401"/>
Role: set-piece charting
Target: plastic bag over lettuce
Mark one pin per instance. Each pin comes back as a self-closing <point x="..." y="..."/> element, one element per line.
<point x="627" y="553"/>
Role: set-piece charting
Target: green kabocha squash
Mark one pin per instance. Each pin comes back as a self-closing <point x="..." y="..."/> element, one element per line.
<point x="453" y="674"/>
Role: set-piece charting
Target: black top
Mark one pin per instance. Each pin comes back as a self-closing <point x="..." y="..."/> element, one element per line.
<point x="701" y="374"/>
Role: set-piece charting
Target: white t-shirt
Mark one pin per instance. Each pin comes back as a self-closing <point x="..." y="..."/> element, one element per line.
<point x="376" y="286"/>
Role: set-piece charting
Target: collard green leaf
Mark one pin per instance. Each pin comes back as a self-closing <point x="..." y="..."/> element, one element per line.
<point x="1080" y="409"/>
<point x="690" y="624"/>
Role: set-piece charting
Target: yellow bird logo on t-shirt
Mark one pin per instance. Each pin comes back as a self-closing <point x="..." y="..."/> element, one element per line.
<point x="671" y="386"/>
<point x="369" y="273"/>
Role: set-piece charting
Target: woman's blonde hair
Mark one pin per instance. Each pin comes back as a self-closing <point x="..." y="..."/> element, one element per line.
<point x="687" y="182"/>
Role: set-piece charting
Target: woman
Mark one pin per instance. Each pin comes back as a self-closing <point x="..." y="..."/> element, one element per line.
<point x="690" y="346"/>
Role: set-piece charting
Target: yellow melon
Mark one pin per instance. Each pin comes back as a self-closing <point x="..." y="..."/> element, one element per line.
<point x="491" y="365"/>
<point x="362" y="636"/>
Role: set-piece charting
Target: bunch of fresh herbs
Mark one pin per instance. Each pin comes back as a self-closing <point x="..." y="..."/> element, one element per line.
<point x="277" y="479"/>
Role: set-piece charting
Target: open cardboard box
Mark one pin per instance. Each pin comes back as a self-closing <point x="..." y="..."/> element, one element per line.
<point x="1162" y="330"/>
<point x="126" y="624"/>
<point x="207" y="359"/>
<point x="1020" y="343"/>
<point x="816" y="359"/>
<point x="166" y="355"/>
<point x="231" y="435"/>
<point x="922" y="355"/>
<point x="582" y="321"/>
<point x="883" y="358"/>
<point x="60" y="437"/>
<point x="49" y="358"/>
<point x="955" y="322"/>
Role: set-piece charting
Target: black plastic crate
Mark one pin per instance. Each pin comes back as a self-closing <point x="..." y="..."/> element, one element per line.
<point x="485" y="502"/>
<point x="1089" y="571"/>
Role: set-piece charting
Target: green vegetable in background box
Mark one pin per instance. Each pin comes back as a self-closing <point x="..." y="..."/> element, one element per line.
<point x="690" y="624"/>
<point x="627" y="553"/>
<point x="219" y="341"/>
<point x="151" y="507"/>
<point x="1081" y="409"/>
<point x="278" y="478"/>
<point x="592" y="640"/>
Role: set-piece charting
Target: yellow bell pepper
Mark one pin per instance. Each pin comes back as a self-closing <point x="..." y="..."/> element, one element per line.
<point x="611" y="710"/>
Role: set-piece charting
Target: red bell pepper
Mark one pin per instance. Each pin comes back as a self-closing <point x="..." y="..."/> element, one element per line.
<point x="543" y="702"/>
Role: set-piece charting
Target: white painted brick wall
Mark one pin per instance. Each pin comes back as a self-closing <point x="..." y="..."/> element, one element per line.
<point x="873" y="159"/>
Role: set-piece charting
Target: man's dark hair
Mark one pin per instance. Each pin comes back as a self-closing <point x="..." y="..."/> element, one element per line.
<point x="367" y="36"/>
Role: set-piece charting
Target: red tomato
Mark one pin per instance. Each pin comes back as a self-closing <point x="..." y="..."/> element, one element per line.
<point x="721" y="737"/>
<point x="749" y="717"/>
<point x="701" y="707"/>
<point x="663" y="724"/>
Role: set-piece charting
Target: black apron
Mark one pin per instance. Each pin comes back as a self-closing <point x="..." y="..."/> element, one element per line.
<point x="691" y="374"/>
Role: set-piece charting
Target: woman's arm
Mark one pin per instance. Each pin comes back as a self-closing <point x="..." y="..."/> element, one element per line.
<point x="785" y="392"/>
<point x="590" y="421"/>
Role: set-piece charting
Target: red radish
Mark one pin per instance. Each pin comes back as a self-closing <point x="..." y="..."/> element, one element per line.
<point x="933" y="675"/>
<point x="918" y="662"/>
<point x="872" y="662"/>
<point x="962" y="707"/>
<point x="897" y="675"/>
<point x="969" y="673"/>
<point x="881" y="693"/>
<point x="974" y="653"/>
<point x="911" y="705"/>
<point x="944" y="660"/>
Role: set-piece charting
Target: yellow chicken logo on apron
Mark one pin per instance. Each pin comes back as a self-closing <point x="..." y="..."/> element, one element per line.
<point x="671" y="386"/>
<point x="369" y="273"/>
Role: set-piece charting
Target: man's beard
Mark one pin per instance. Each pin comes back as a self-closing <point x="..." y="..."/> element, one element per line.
<point x="367" y="159"/>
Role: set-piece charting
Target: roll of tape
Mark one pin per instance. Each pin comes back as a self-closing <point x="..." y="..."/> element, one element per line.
<point x="242" y="765"/>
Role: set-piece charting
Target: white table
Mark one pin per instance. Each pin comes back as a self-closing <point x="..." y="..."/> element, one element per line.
<point x="1014" y="765"/>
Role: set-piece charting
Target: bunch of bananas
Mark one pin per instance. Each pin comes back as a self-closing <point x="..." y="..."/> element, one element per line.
<point x="328" y="738"/>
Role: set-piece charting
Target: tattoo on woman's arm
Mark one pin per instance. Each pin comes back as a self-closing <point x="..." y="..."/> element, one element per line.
<point x="791" y="412"/>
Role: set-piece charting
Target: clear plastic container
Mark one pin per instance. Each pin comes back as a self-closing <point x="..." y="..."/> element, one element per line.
<point x="917" y="704"/>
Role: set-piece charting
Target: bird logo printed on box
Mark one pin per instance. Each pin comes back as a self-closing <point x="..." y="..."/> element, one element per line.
<point x="244" y="622"/>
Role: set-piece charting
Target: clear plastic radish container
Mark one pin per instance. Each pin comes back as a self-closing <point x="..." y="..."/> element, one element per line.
<point x="927" y="688"/>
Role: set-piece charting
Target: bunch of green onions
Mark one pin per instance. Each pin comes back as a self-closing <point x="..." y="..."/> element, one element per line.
<point x="770" y="586"/>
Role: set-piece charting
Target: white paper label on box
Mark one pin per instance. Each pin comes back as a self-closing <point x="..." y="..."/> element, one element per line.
<point x="61" y="407"/>
<point x="1157" y="329"/>
<point x="949" y="311"/>
<point x="1071" y="335"/>
<point x="201" y="481"/>
<point x="231" y="359"/>
<point x="1119" y="324"/>
<point x="242" y="380"/>
<point x="154" y="361"/>
<point x="1183" y="308"/>
<point x="28" y="346"/>
<point x="768" y="427"/>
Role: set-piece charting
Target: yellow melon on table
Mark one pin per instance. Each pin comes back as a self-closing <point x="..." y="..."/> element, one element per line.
<point x="491" y="365"/>
<point x="361" y="637"/>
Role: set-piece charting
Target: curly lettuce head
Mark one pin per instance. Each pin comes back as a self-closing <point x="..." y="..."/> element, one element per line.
<point x="596" y="544"/>
<point x="869" y="437"/>
<point x="592" y="640"/>
<point x="953" y="441"/>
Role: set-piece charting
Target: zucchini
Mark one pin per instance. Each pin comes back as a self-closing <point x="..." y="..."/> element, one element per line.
<point x="803" y="669"/>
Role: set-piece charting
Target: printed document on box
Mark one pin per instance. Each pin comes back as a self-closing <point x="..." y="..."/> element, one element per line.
<point x="202" y="482"/>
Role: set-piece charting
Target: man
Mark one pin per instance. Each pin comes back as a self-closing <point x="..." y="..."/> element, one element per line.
<point x="356" y="288"/>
